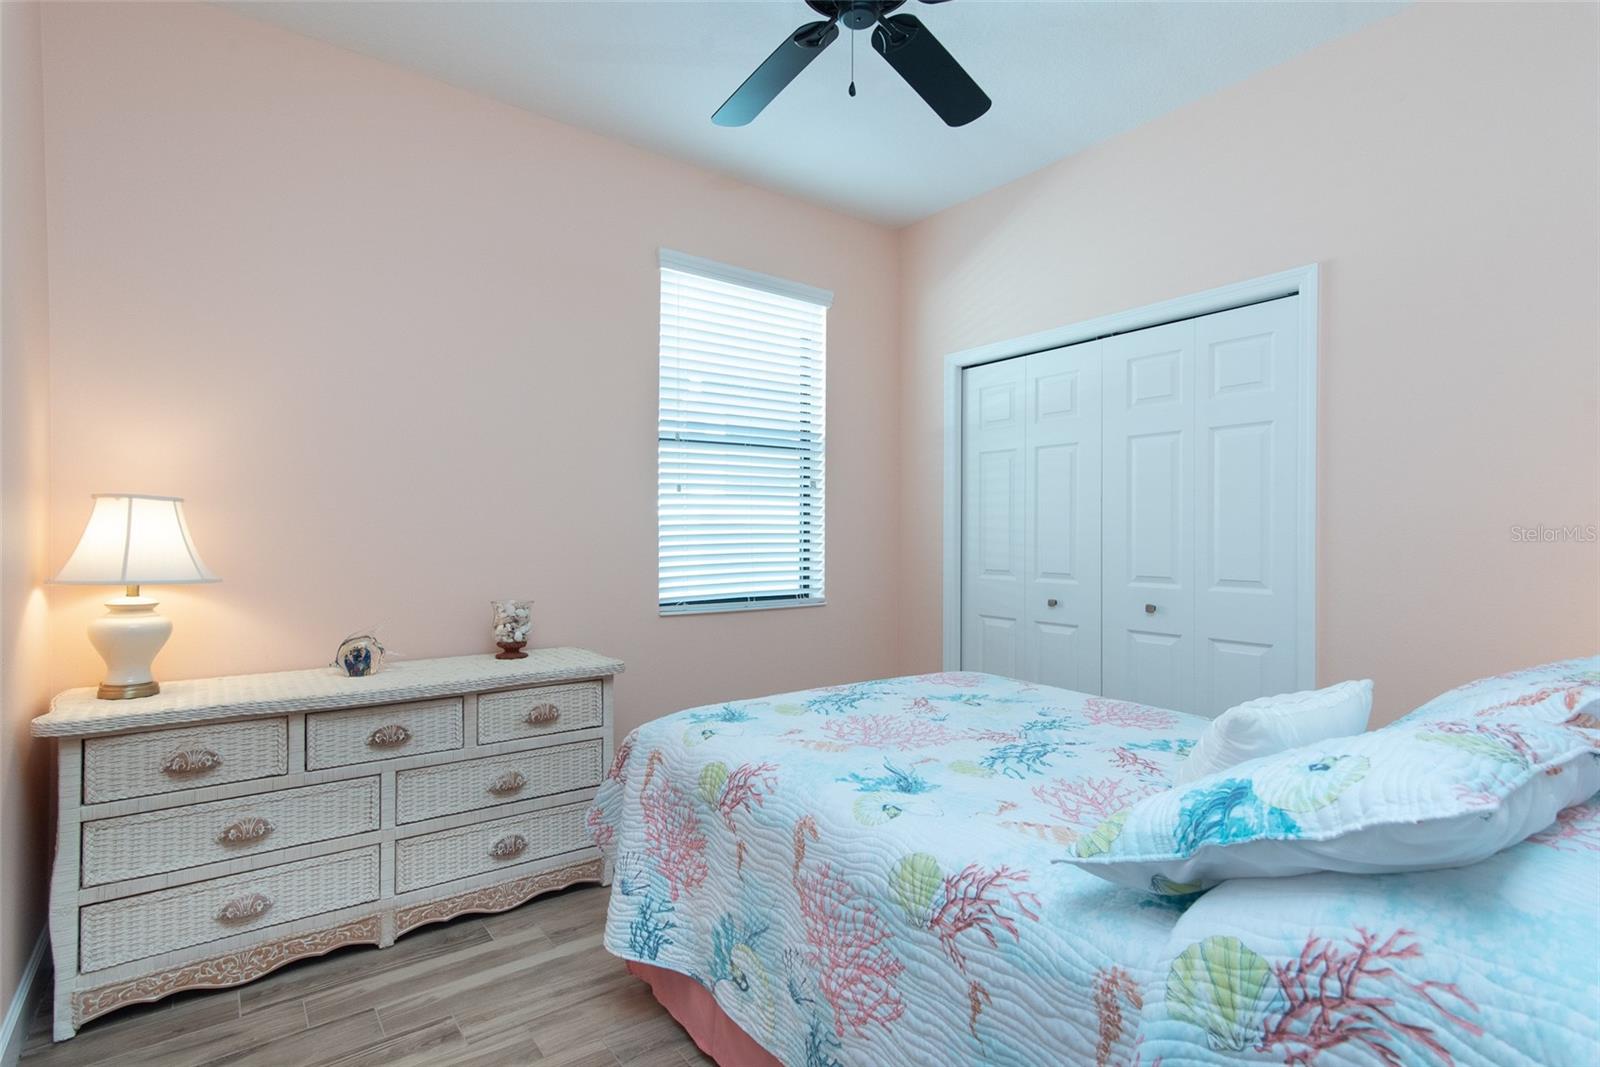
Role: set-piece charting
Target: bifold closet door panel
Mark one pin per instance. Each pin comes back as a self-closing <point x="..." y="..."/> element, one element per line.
<point x="1061" y="609"/>
<point x="1247" y="514"/>
<point x="1147" y="541"/>
<point x="992" y="564"/>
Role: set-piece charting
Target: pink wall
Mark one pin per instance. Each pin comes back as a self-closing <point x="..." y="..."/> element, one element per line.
<point x="24" y="404"/>
<point x="1441" y="165"/>
<point x="396" y="344"/>
<point x="325" y="298"/>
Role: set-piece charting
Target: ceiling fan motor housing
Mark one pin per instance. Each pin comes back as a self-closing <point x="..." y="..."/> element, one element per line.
<point x="855" y="14"/>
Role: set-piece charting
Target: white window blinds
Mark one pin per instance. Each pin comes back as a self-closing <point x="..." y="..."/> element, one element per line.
<point x="740" y="492"/>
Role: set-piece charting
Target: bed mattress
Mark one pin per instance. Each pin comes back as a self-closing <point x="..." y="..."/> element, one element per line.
<point x="873" y="874"/>
<point x="866" y="874"/>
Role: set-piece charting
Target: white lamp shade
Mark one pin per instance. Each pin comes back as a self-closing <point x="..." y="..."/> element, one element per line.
<point x="133" y="539"/>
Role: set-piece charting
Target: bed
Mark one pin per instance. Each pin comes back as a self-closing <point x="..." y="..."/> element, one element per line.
<point x="873" y="874"/>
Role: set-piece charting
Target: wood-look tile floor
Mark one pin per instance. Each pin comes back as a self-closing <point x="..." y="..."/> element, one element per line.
<point x="528" y="986"/>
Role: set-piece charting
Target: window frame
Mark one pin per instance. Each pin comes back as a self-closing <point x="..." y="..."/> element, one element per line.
<point x="812" y="498"/>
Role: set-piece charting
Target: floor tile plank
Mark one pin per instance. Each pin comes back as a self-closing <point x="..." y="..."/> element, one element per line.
<point x="309" y="977"/>
<point x="326" y="1044"/>
<point x="420" y="1046"/>
<point x="216" y="1043"/>
<point x="495" y="977"/>
<point x="109" y="1038"/>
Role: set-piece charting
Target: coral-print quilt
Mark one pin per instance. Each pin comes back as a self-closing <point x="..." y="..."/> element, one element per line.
<point x="869" y="874"/>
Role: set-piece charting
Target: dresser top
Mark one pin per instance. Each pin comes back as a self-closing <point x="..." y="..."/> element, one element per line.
<point x="79" y="713"/>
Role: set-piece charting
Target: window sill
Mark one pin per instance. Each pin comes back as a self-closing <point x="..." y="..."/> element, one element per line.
<point x="720" y="609"/>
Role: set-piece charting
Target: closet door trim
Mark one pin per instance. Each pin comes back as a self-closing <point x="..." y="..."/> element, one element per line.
<point x="1300" y="281"/>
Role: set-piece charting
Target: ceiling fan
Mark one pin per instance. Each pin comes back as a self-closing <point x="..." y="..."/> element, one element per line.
<point x="902" y="40"/>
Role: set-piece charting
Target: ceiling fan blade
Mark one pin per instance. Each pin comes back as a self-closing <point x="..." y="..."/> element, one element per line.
<point x="919" y="58"/>
<point x="779" y="69"/>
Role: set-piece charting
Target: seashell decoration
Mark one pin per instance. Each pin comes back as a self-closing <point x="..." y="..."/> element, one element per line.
<point x="390" y="736"/>
<point x="543" y="714"/>
<point x="1160" y="883"/>
<point x="1316" y="784"/>
<point x="1098" y="840"/>
<point x="509" y="846"/>
<point x="359" y="655"/>
<point x="915" y="881"/>
<point x="1225" y="988"/>
<point x="243" y="909"/>
<point x="191" y="761"/>
<point x="513" y="619"/>
<point x="713" y="776"/>
<point x="508" y="783"/>
<point x="872" y="809"/>
<point x="250" y="828"/>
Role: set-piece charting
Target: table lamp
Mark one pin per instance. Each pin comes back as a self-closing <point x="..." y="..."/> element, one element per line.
<point x="133" y="540"/>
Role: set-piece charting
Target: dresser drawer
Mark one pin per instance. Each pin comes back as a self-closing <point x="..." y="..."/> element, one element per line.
<point x="342" y="738"/>
<point x="130" y="846"/>
<point x="165" y="761"/>
<point x="118" y="931"/>
<point x="450" y="854"/>
<point x="428" y="792"/>
<point x="546" y="709"/>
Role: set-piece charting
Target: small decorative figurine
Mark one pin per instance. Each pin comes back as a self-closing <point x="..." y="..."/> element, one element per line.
<point x="359" y="655"/>
<point x="512" y="621"/>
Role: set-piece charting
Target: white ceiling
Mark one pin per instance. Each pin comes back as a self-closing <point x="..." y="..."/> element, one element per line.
<point x="1063" y="75"/>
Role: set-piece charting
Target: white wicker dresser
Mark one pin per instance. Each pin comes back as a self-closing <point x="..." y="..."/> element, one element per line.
<point x="228" y="826"/>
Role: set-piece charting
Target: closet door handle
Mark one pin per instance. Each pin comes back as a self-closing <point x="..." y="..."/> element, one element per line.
<point x="1050" y="603"/>
<point x="1149" y="609"/>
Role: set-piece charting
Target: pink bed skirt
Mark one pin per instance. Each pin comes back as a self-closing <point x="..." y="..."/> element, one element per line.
<point x="696" y="1010"/>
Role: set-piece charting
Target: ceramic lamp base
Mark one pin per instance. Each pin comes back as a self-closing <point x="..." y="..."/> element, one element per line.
<point x="128" y="692"/>
<point x="128" y="636"/>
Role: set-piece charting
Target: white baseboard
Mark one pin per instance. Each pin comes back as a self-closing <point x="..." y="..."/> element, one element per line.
<point x="14" y="1028"/>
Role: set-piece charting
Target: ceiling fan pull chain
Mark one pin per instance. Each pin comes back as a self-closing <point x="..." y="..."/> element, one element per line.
<point x="852" y="64"/>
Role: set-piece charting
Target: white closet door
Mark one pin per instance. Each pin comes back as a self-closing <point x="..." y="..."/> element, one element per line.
<point x="1130" y="512"/>
<point x="1247" y="521"/>
<point x="992" y="519"/>
<point x="1061" y="610"/>
<point x="1148" y="532"/>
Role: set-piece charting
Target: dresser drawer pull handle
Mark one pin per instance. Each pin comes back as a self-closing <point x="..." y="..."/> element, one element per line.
<point x="251" y="828"/>
<point x="509" y="846"/>
<point x="508" y="783"/>
<point x="543" y="714"/>
<point x="244" y="909"/>
<point x="392" y="736"/>
<point x="190" y="761"/>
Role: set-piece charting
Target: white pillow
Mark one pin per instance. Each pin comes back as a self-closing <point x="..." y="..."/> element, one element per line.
<point x="1269" y="725"/>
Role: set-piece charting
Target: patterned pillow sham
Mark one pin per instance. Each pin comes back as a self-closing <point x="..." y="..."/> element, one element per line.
<point x="1551" y="692"/>
<point x="1414" y="795"/>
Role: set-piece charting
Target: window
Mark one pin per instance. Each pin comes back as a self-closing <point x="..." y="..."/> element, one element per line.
<point x="739" y="491"/>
